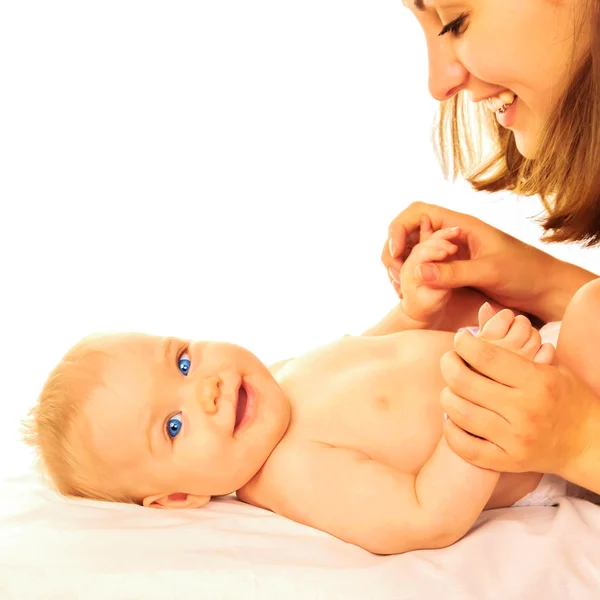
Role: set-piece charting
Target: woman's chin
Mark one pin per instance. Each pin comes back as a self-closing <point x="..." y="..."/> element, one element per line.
<point x="525" y="145"/>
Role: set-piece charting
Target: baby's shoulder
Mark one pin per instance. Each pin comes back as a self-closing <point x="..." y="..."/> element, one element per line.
<point x="269" y="487"/>
<point x="308" y="355"/>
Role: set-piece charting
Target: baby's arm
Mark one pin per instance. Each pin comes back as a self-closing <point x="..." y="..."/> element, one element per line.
<point x="461" y="311"/>
<point x="382" y="509"/>
<point x="379" y="508"/>
<point x="424" y="307"/>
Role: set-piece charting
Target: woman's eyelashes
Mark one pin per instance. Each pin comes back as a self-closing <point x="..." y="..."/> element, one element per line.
<point x="454" y="27"/>
<point x="174" y="425"/>
<point x="184" y="363"/>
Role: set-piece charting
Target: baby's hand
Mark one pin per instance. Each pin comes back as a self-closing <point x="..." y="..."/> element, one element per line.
<point x="421" y="302"/>
<point x="513" y="333"/>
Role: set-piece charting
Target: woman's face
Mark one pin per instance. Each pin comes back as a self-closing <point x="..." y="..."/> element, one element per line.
<point x="493" y="46"/>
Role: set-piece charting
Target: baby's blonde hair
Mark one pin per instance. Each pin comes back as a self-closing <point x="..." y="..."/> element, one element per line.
<point x="56" y="431"/>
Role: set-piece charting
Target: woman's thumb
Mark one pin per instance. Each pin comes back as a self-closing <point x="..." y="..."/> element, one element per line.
<point x="454" y="274"/>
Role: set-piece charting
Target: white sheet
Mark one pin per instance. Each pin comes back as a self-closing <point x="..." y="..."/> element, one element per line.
<point x="53" y="548"/>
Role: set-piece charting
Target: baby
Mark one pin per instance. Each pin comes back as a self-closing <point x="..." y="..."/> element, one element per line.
<point x="346" y="438"/>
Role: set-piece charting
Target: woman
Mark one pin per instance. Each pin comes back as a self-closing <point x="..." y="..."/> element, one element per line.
<point x="532" y="73"/>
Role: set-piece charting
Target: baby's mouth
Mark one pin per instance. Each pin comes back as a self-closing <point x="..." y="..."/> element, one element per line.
<point x="242" y="401"/>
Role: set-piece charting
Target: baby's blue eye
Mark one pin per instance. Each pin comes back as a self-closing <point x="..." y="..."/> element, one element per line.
<point x="184" y="363"/>
<point x="174" y="425"/>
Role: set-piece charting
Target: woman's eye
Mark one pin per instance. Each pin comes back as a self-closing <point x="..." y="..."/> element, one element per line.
<point x="455" y="26"/>
<point x="184" y="363"/>
<point x="174" y="425"/>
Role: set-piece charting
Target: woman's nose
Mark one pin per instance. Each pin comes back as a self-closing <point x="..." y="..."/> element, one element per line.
<point x="207" y="394"/>
<point x="447" y="76"/>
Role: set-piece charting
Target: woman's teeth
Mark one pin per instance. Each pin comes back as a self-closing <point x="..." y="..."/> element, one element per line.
<point x="501" y="102"/>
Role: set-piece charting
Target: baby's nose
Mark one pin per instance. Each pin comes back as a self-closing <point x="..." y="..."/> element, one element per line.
<point x="208" y="394"/>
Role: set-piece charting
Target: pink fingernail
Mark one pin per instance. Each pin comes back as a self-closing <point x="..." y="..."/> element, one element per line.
<point x="394" y="274"/>
<point x="392" y="248"/>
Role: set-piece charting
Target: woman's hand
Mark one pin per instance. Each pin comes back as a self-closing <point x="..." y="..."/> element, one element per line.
<point x="505" y="269"/>
<point x="526" y="416"/>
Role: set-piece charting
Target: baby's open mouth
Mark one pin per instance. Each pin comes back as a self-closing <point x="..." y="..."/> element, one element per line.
<point x="242" y="402"/>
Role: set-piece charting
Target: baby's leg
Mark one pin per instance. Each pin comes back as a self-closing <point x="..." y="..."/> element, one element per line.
<point x="579" y="341"/>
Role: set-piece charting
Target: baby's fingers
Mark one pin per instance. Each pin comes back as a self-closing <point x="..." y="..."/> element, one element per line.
<point x="426" y="229"/>
<point x="448" y="233"/>
<point x="486" y="312"/>
<point x="433" y="250"/>
<point x="532" y="345"/>
<point x="520" y="333"/>
<point x="498" y="326"/>
<point x="545" y="355"/>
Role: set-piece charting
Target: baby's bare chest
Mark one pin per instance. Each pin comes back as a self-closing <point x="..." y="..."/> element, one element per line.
<point x="377" y="396"/>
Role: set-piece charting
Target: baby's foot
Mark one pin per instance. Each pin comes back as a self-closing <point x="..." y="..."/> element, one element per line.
<point x="514" y="333"/>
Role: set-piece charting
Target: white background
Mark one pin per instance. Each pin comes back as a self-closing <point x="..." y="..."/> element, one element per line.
<point x="220" y="169"/>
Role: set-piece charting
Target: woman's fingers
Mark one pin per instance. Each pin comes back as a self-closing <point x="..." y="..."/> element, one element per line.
<point x="469" y="385"/>
<point x="474" y="272"/>
<point x="397" y="243"/>
<point x="408" y="224"/>
<point x="471" y="417"/>
<point x="439" y="217"/>
<point x="393" y="267"/>
<point x="499" y="364"/>
<point x="435" y="247"/>
<point x="394" y="278"/>
<point x="479" y="452"/>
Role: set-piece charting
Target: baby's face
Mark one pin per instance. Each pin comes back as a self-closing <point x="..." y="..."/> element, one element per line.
<point x="177" y="422"/>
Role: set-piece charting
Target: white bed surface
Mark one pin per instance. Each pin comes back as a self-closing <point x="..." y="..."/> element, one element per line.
<point x="53" y="548"/>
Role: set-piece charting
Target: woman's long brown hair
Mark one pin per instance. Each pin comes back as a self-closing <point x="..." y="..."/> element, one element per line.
<point x="565" y="171"/>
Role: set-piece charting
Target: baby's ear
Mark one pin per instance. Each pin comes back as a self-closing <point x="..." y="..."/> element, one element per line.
<point x="177" y="500"/>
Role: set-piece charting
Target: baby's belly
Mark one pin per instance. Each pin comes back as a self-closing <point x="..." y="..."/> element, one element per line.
<point x="381" y="398"/>
<point x="383" y="404"/>
<point x="400" y="428"/>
